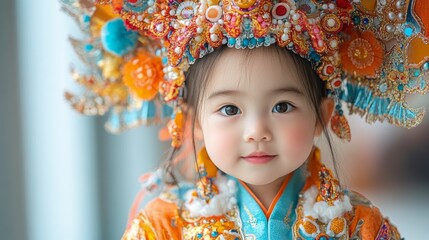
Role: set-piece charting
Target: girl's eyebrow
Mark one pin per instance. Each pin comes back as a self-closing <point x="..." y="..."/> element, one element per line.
<point x="288" y="89"/>
<point x="275" y="91"/>
<point x="224" y="93"/>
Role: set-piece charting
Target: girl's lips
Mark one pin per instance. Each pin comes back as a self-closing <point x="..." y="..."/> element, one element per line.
<point x="259" y="159"/>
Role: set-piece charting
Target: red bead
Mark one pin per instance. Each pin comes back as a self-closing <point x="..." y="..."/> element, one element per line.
<point x="337" y="83"/>
<point x="132" y="1"/>
<point x="329" y="70"/>
<point x="281" y="10"/>
<point x="343" y="4"/>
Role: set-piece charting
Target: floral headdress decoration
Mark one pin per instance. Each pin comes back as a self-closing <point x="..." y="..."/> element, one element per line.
<point x="370" y="53"/>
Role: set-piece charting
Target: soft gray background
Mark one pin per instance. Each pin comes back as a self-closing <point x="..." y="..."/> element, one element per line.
<point x="63" y="177"/>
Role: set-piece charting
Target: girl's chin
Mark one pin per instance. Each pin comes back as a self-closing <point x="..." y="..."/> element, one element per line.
<point x="258" y="181"/>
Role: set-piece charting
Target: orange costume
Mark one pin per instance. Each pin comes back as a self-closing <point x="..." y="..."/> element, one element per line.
<point x="312" y="207"/>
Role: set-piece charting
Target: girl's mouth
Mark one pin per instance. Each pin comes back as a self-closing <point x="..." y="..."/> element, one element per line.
<point x="259" y="158"/>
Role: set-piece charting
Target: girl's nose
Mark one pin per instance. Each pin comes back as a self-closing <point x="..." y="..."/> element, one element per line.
<point x="257" y="131"/>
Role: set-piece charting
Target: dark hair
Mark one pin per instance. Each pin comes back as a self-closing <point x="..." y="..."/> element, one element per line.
<point x="197" y="78"/>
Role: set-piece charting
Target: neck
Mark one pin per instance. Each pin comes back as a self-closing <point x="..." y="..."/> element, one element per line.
<point x="266" y="193"/>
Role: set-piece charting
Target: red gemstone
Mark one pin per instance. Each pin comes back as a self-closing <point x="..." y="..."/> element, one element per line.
<point x="132" y="1"/>
<point x="281" y="10"/>
<point x="337" y="83"/>
<point x="343" y="4"/>
<point x="329" y="70"/>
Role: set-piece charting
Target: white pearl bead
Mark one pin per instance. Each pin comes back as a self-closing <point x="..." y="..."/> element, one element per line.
<point x="331" y="22"/>
<point x="285" y="37"/>
<point x="296" y="16"/>
<point x="400" y="4"/>
<point x="178" y="50"/>
<point x="199" y="29"/>
<point x="214" y="37"/>
<point x="266" y="7"/>
<point x="159" y="27"/>
<point x="298" y="28"/>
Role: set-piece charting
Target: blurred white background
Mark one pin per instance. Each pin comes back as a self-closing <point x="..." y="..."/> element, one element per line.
<point x="63" y="177"/>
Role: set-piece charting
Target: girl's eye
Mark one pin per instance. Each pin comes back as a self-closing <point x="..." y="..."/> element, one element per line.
<point x="230" y="110"/>
<point x="282" y="107"/>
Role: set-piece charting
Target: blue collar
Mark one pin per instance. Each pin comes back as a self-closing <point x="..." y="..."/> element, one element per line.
<point x="255" y="224"/>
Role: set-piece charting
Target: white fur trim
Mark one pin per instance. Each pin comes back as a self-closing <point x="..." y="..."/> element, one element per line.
<point x="220" y="204"/>
<point x="321" y="210"/>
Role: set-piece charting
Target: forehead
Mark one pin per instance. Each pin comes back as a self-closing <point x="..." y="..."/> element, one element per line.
<point x="256" y="69"/>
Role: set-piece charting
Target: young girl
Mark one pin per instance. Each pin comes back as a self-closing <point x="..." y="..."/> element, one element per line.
<point x="252" y="84"/>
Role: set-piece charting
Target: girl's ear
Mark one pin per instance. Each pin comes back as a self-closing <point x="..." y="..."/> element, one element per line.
<point x="327" y="107"/>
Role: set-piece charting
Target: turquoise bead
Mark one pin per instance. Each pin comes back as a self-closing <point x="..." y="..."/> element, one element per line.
<point x="253" y="41"/>
<point x="416" y="73"/>
<point x="231" y="41"/>
<point x="401" y="67"/>
<point x="245" y="42"/>
<point x="88" y="47"/>
<point x="86" y="18"/>
<point x="356" y="20"/>
<point x="426" y="66"/>
<point x="408" y="31"/>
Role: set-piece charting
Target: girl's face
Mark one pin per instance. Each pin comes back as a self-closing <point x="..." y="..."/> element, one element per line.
<point x="256" y="121"/>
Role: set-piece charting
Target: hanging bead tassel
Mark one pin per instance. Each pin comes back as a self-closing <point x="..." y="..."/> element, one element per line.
<point x="175" y="127"/>
<point x="340" y="126"/>
<point x="207" y="171"/>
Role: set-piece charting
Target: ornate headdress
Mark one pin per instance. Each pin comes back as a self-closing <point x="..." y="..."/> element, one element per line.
<point x="370" y="53"/>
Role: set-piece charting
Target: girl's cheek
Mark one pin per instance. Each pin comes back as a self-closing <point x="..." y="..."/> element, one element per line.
<point x="297" y="136"/>
<point x="219" y="136"/>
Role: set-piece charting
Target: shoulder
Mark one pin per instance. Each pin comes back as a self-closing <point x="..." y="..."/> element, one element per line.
<point x="173" y="215"/>
<point x="351" y="216"/>
<point x="158" y="219"/>
<point x="366" y="220"/>
<point x="326" y="211"/>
